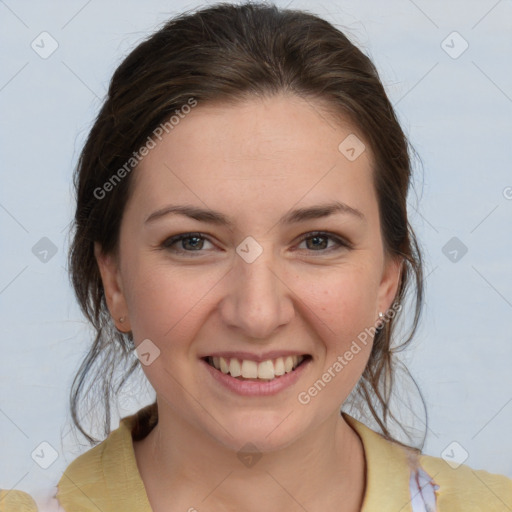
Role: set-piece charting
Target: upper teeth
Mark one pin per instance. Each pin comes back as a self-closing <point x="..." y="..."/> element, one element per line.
<point x="251" y="369"/>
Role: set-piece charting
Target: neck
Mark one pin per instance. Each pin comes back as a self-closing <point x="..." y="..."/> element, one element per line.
<point x="323" y="470"/>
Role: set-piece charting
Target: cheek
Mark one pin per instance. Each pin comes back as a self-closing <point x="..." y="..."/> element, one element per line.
<point x="343" y="299"/>
<point x="342" y="310"/>
<point x="165" y="303"/>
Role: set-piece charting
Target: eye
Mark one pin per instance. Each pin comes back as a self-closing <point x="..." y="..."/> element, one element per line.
<point x="318" y="241"/>
<point x="190" y="242"/>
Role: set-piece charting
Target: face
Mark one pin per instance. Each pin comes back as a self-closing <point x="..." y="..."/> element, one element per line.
<point x="276" y="252"/>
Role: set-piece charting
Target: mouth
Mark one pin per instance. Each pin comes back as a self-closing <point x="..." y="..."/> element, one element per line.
<point x="263" y="371"/>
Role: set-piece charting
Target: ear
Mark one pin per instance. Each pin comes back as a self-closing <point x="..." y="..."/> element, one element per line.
<point x="112" y="284"/>
<point x="390" y="282"/>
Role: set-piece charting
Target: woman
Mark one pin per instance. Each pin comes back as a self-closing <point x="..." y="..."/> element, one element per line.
<point x="241" y="223"/>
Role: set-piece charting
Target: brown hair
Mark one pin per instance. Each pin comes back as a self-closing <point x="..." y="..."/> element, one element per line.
<point x="227" y="53"/>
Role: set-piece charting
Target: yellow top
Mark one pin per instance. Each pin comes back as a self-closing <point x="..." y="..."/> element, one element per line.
<point x="106" y="478"/>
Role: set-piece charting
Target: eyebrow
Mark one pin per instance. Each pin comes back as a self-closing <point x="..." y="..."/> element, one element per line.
<point x="292" y="217"/>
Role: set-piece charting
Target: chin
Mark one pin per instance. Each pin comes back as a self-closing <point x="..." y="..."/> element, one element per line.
<point x="257" y="431"/>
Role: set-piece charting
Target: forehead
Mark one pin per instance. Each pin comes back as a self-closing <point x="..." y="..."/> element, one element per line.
<point x="280" y="149"/>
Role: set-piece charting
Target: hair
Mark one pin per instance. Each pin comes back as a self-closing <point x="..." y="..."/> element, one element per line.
<point x="228" y="53"/>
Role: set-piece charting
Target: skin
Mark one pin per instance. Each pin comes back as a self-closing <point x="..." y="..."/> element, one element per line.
<point x="253" y="162"/>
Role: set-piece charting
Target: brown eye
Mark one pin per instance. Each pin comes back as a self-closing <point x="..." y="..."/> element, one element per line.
<point x="186" y="243"/>
<point x="319" y="242"/>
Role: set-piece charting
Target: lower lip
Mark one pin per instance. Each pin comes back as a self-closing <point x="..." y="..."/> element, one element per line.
<point x="255" y="388"/>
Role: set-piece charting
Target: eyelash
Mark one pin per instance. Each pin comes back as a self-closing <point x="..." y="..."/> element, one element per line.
<point x="169" y="242"/>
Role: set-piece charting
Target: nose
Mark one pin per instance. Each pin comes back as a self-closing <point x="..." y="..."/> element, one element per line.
<point x="258" y="299"/>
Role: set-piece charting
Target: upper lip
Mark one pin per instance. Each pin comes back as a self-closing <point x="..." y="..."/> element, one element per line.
<point x="274" y="354"/>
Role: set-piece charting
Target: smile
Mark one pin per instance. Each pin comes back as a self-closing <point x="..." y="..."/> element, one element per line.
<point x="264" y="370"/>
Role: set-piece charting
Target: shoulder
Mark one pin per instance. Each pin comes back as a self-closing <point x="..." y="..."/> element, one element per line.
<point x="106" y="476"/>
<point x="16" y="501"/>
<point x="462" y="488"/>
<point x="83" y="478"/>
<point x="424" y="482"/>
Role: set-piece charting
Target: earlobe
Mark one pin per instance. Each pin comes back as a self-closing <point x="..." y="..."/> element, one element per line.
<point x="112" y="285"/>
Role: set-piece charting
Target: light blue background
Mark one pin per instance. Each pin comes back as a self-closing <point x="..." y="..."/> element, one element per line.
<point x="457" y="113"/>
